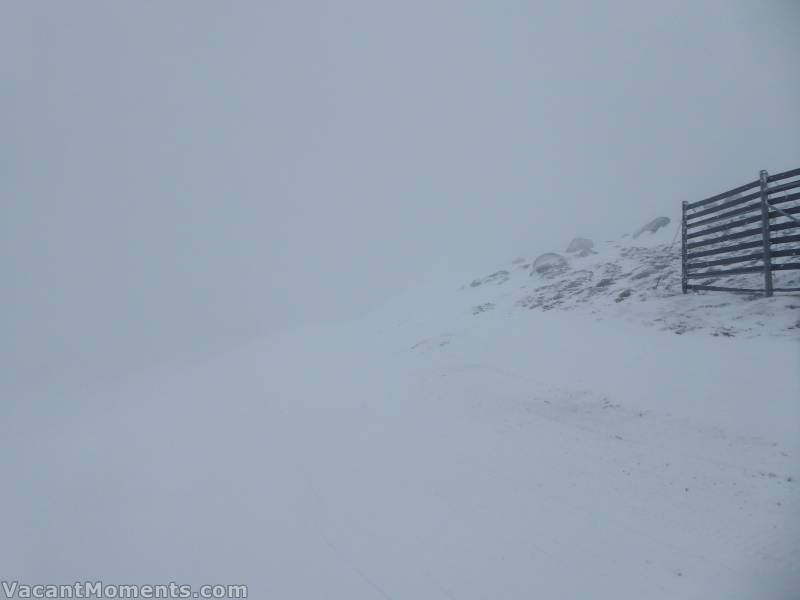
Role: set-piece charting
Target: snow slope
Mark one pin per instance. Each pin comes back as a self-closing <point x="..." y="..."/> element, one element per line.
<point x="434" y="450"/>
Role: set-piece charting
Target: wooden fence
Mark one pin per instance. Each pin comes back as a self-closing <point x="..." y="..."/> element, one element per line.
<point x="752" y="229"/>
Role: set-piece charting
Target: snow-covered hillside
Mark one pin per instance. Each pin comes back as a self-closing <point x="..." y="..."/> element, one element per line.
<point x="638" y="279"/>
<point x="462" y="442"/>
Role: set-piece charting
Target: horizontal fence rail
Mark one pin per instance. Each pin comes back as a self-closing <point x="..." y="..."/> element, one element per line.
<point x="751" y="229"/>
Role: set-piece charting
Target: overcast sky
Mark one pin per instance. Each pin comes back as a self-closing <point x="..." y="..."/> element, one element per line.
<point x="175" y="173"/>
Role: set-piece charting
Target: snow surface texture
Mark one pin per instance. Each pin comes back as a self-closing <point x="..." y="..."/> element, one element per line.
<point x="456" y="444"/>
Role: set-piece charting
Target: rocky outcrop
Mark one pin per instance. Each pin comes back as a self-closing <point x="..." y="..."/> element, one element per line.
<point x="652" y="226"/>
<point x="498" y="277"/>
<point x="550" y="262"/>
<point x="581" y="246"/>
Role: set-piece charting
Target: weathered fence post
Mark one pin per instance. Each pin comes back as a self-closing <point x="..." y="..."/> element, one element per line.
<point x="683" y="247"/>
<point x="765" y="232"/>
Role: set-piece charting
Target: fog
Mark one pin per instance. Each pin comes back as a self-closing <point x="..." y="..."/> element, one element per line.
<point x="179" y="176"/>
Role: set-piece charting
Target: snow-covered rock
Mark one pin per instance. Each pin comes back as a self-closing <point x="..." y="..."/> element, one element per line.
<point x="652" y="226"/>
<point x="549" y="263"/>
<point x="581" y="246"/>
<point x="497" y="277"/>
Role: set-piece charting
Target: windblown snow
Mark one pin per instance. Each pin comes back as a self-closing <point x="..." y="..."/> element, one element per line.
<point x="520" y="435"/>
